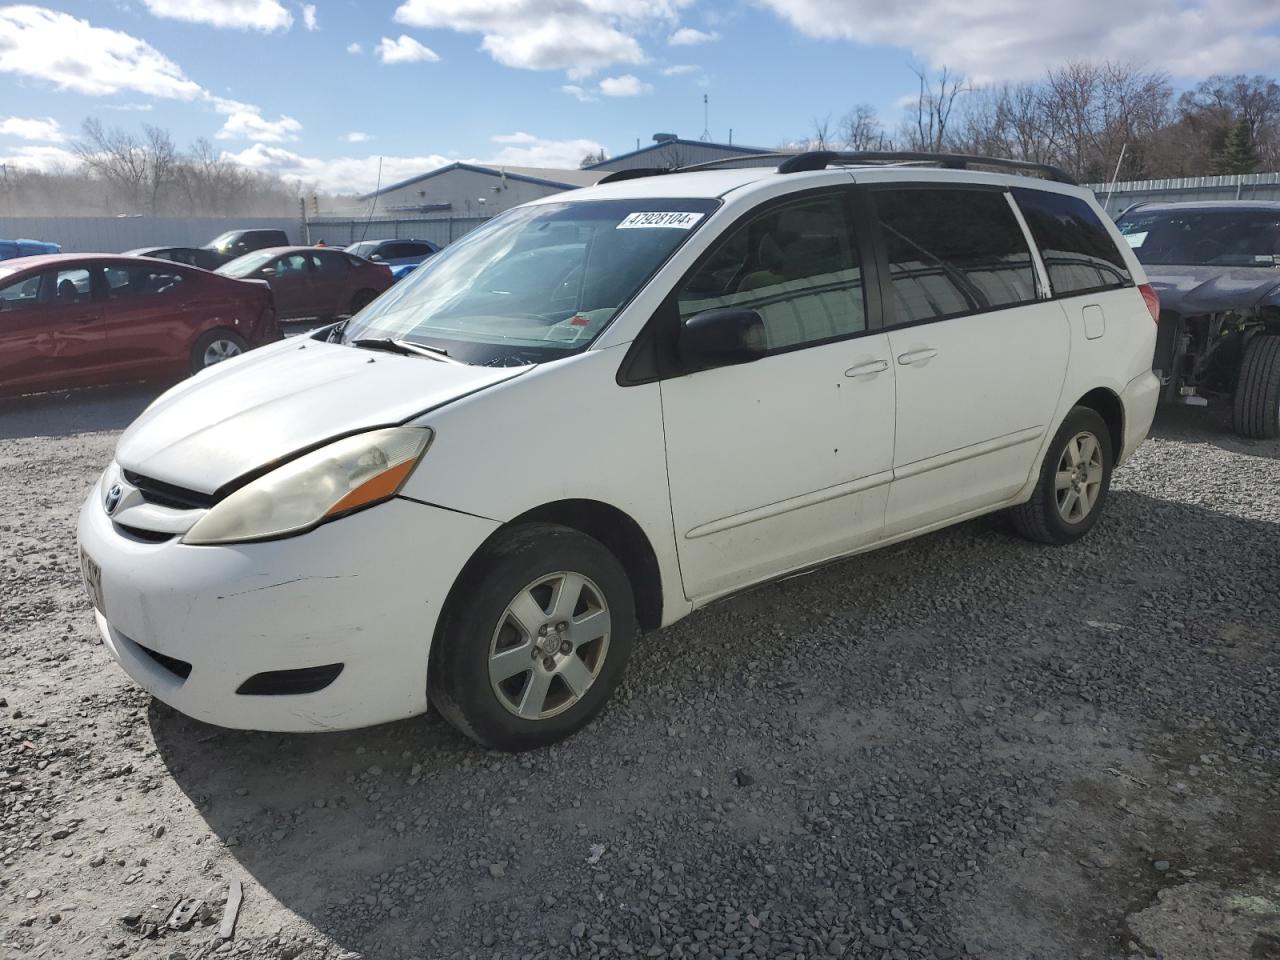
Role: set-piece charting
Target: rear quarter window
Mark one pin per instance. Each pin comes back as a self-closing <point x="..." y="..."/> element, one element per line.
<point x="1079" y="254"/>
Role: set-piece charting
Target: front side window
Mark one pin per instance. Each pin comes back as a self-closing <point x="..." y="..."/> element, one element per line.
<point x="953" y="252"/>
<point x="533" y="284"/>
<point x="796" y="265"/>
<point x="71" y="287"/>
<point x="1204" y="238"/>
<point x="294" y="265"/>
<point x="1078" y="252"/>
<point x="21" y="294"/>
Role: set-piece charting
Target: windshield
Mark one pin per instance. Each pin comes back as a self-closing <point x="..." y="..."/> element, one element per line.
<point x="1208" y="238"/>
<point x="534" y="284"/>
<point x="222" y="240"/>
<point x="243" y="266"/>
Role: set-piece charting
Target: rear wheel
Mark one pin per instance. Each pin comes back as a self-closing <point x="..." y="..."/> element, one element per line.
<point x="1073" y="484"/>
<point x="362" y="299"/>
<point x="1256" y="411"/>
<point x="535" y="639"/>
<point x="216" y="346"/>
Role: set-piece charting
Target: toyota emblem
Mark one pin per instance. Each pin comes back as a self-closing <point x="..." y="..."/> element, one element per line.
<point x="112" y="499"/>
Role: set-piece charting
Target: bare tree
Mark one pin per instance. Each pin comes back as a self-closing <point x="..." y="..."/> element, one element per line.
<point x="860" y="129"/>
<point x="821" y="139"/>
<point x="934" y="105"/>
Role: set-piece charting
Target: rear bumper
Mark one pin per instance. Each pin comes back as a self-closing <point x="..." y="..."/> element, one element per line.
<point x="363" y="592"/>
<point x="1139" y="397"/>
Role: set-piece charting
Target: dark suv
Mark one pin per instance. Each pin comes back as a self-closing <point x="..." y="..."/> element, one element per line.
<point x="1216" y="266"/>
<point x="236" y="243"/>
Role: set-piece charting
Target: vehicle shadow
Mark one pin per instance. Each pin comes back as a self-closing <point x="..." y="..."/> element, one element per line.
<point x="67" y="413"/>
<point x="1212" y="424"/>
<point x="388" y="839"/>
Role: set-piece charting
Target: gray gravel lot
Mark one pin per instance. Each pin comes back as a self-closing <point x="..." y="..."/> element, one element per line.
<point x="966" y="745"/>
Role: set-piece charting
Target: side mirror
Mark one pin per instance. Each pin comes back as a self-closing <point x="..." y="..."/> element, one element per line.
<point x="721" y="337"/>
<point x="267" y="272"/>
<point x="377" y="258"/>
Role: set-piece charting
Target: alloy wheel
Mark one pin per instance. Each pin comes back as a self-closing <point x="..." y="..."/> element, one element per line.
<point x="549" y="645"/>
<point x="220" y="350"/>
<point x="1078" y="481"/>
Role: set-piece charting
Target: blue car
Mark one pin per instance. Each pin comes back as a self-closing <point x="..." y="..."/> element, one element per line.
<point x="400" y="255"/>
<point x="26" y="248"/>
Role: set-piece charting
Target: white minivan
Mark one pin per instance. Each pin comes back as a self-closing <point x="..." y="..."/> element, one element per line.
<point x="603" y="410"/>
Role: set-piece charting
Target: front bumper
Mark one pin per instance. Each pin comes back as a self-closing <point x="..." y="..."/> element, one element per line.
<point x="1140" y="396"/>
<point x="364" y="591"/>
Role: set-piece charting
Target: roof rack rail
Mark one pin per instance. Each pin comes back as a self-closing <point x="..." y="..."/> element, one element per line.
<point x="619" y="175"/>
<point x="820" y="159"/>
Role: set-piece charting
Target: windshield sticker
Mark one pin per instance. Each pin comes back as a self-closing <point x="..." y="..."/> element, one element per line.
<point x="1137" y="239"/>
<point x="653" y="218"/>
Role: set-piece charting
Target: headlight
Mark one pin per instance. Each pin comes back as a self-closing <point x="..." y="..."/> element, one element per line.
<point x="334" y="480"/>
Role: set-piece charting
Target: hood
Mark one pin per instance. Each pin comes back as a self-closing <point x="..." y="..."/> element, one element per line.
<point x="273" y="402"/>
<point x="1194" y="290"/>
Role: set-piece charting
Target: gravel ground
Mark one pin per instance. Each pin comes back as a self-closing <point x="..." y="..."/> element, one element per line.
<point x="966" y="745"/>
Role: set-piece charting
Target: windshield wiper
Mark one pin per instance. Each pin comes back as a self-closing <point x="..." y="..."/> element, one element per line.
<point x="405" y="347"/>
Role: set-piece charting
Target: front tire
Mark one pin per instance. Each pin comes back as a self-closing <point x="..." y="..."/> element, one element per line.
<point x="216" y="346"/>
<point x="1256" y="411"/>
<point x="1073" y="484"/>
<point x="534" y="640"/>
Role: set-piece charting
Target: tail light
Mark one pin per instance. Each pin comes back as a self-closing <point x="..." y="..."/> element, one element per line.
<point x="1152" y="300"/>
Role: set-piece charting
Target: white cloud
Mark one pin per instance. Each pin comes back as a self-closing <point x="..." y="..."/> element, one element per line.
<point x="689" y="37"/>
<point x="264" y="15"/>
<point x="404" y="49"/>
<point x="39" y="158"/>
<point x="526" y="150"/>
<point x="354" y="47"/>
<point x="245" y="122"/>
<point x="337" y="174"/>
<point x="76" y="56"/>
<point x="627" y="85"/>
<point x="989" y="40"/>
<point x="679" y="70"/>
<point x="356" y="136"/>
<point x="309" y="16"/>
<point x="580" y="93"/>
<point x="47" y="130"/>
<point x="579" y="36"/>
<point x="129" y="107"/>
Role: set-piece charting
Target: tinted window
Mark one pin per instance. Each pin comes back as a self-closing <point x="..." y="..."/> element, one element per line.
<point x="292" y="265"/>
<point x="796" y="265"/>
<point x="953" y="252"/>
<point x="1218" y="238"/>
<point x="331" y="261"/>
<point x="20" y="295"/>
<point x="125" y="282"/>
<point x="1078" y="252"/>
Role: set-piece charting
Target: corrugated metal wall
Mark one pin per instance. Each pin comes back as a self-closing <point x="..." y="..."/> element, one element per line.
<point x="1249" y="186"/>
<point x="337" y="232"/>
<point x="117" y="234"/>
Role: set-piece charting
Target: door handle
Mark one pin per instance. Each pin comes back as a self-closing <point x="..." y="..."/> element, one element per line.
<point x="916" y="356"/>
<point x="862" y="369"/>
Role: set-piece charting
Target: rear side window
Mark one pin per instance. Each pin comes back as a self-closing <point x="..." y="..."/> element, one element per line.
<point x="796" y="265"/>
<point x="331" y="261"/>
<point x="21" y="294"/>
<point x="1078" y="252"/>
<point x="126" y="282"/>
<point x="953" y="252"/>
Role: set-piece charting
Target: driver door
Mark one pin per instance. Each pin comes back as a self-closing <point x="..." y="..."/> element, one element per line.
<point x="784" y="462"/>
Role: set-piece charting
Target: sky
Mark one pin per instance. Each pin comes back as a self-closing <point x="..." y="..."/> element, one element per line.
<point x="321" y="90"/>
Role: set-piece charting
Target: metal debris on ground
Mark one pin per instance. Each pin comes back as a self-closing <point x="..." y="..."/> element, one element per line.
<point x="235" y="893"/>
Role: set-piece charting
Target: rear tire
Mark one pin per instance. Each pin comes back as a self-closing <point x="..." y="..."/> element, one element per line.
<point x="1073" y="484"/>
<point x="361" y="300"/>
<point x="534" y="639"/>
<point x="1256" y="411"/>
<point x="216" y="346"/>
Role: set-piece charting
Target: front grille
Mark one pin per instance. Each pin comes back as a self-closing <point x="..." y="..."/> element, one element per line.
<point x="168" y="494"/>
<point x="146" y="536"/>
<point x="179" y="668"/>
<point x="285" y="682"/>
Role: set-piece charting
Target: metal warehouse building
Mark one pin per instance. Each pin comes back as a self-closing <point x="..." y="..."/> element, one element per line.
<point x="475" y="190"/>
<point x="669" y="151"/>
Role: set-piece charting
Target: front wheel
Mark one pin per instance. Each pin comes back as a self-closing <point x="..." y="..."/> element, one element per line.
<point x="1073" y="483"/>
<point x="1256" y="411"/>
<point x="216" y="346"/>
<point x="534" y="640"/>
